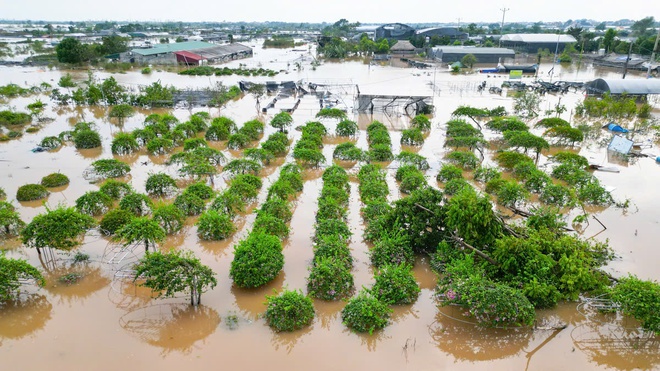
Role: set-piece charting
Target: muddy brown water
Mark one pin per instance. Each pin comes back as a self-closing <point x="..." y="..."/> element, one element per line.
<point x="104" y="322"/>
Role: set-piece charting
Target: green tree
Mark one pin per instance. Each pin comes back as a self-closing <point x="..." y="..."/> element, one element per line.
<point x="469" y="60"/>
<point x="141" y="230"/>
<point x="121" y="113"/>
<point x="70" y="50"/>
<point x="12" y="273"/>
<point x="60" y="228"/>
<point x="608" y="39"/>
<point x="282" y="121"/>
<point x="643" y="26"/>
<point x="170" y="273"/>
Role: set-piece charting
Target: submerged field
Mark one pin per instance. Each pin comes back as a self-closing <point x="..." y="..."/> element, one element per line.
<point x="103" y="321"/>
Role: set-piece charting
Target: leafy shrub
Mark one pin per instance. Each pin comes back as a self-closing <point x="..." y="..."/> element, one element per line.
<point x="271" y="225"/>
<point x="412" y="137"/>
<point x="510" y="193"/>
<point x="31" y="192"/>
<point x="380" y="152"/>
<point x="258" y="259"/>
<point x="54" y="180"/>
<point x="348" y="152"/>
<point x="277" y="144"/>
<point x="365" y="313"/>
<point x="486" y="174"/>
<point x="93" y="203"/>
<point x="252" y="129"/>
<point x="309" y="157"/>
<point x="278" y="208"/>
<point x="565" y="157"/>
<point x="160" y="184"/>
<point x="238" y="141"/>
<point x="124" y="144"/>
<point x="192" y="143"/>
<point x="289" y="311"/>
<point x="116" y="189"/>
<point x="221" y="128"/>
<point x="50" y="143"/>
<point x="229" y="203"/>
<point x="334" y="227"/>
<point x="137" y="203"/>
<point x="242" y="166"/>
<point x="509" y="159"/>
<point x="170" y="218"/>
<point x="502" y="124"/>
<point x="410" y="158"/>
<point x="392" y="248"/>
<point x="454" y="186"/>
<point x="259" y="155"/>
<point x="555" y="194"/>
<point x="330" y="279"/>
<point x="214" y="226"/>
<point x="465" y="160"/>
<point x="159" y="146"/>
<point x="333" y="247"/>
<point x="246" y="185"/>
<point x="395" y="284"/>
<point x="113" y="220"/>
<point x="639" y="299"/>
<point x="449" y="172"/>
<point x="110" y="168"/>
<point x="412" y="181"/>
<point x="491" y="304"/>
<point x="346" y="128"/>
<point x="421" y="122"/>
<point x="87" y="139"/>
<point x="190" y="204"/>
<point x="201" y="190"/>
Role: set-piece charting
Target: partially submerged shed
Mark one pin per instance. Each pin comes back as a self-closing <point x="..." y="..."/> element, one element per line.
<point x="633" y="87"/>
<point x="449" y="54"/>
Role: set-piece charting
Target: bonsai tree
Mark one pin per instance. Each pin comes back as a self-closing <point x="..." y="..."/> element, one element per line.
<point x="121" y="112"/>
<point x="289" y="311"/>
<point x="170" y="273"/>
<point x="281" y="121"/>
<point x="60" y="228"/>
<point x="13" y="272"/>
<point x="141" y="230"/>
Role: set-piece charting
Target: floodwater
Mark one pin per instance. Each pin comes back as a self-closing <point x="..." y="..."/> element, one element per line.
<point x="104" y="322"/>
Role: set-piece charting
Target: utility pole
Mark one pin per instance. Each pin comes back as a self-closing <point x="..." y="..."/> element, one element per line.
<point x="504" y="10"/>
<point x="655" y="47"/>
<point x="625" y="65"/>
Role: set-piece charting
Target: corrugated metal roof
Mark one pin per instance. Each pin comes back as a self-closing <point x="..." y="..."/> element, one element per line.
<point x="538" y="38"/>
<point x="184" y="56"/>
<point x="472" y="50"/>
<point x="630" y="86"/>
<point x="171" y="48"/>
<point x="219" y="51"/>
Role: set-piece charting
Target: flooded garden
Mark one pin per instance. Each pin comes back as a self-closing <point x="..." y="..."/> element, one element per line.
<point x="331" y="192"/>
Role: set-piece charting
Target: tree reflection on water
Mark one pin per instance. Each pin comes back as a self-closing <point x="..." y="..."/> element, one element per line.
<point x="23" y="317"/>
<point x="454" y="334"/>
<point x="618" y="342"/>
<point x="173" y="327"/>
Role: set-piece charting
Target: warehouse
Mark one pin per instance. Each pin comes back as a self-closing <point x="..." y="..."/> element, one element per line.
<point x="189" y="52"/>
<point x="531" y="43"/>
<point x="632" y="87"/>
<point x="449" y="54"/>
<point x="452" y="33"/>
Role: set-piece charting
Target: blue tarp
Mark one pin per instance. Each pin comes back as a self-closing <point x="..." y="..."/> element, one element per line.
<point x="616" y="128"/>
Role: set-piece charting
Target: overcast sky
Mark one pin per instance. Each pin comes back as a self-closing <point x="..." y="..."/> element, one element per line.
<point x="365" y="11"/>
